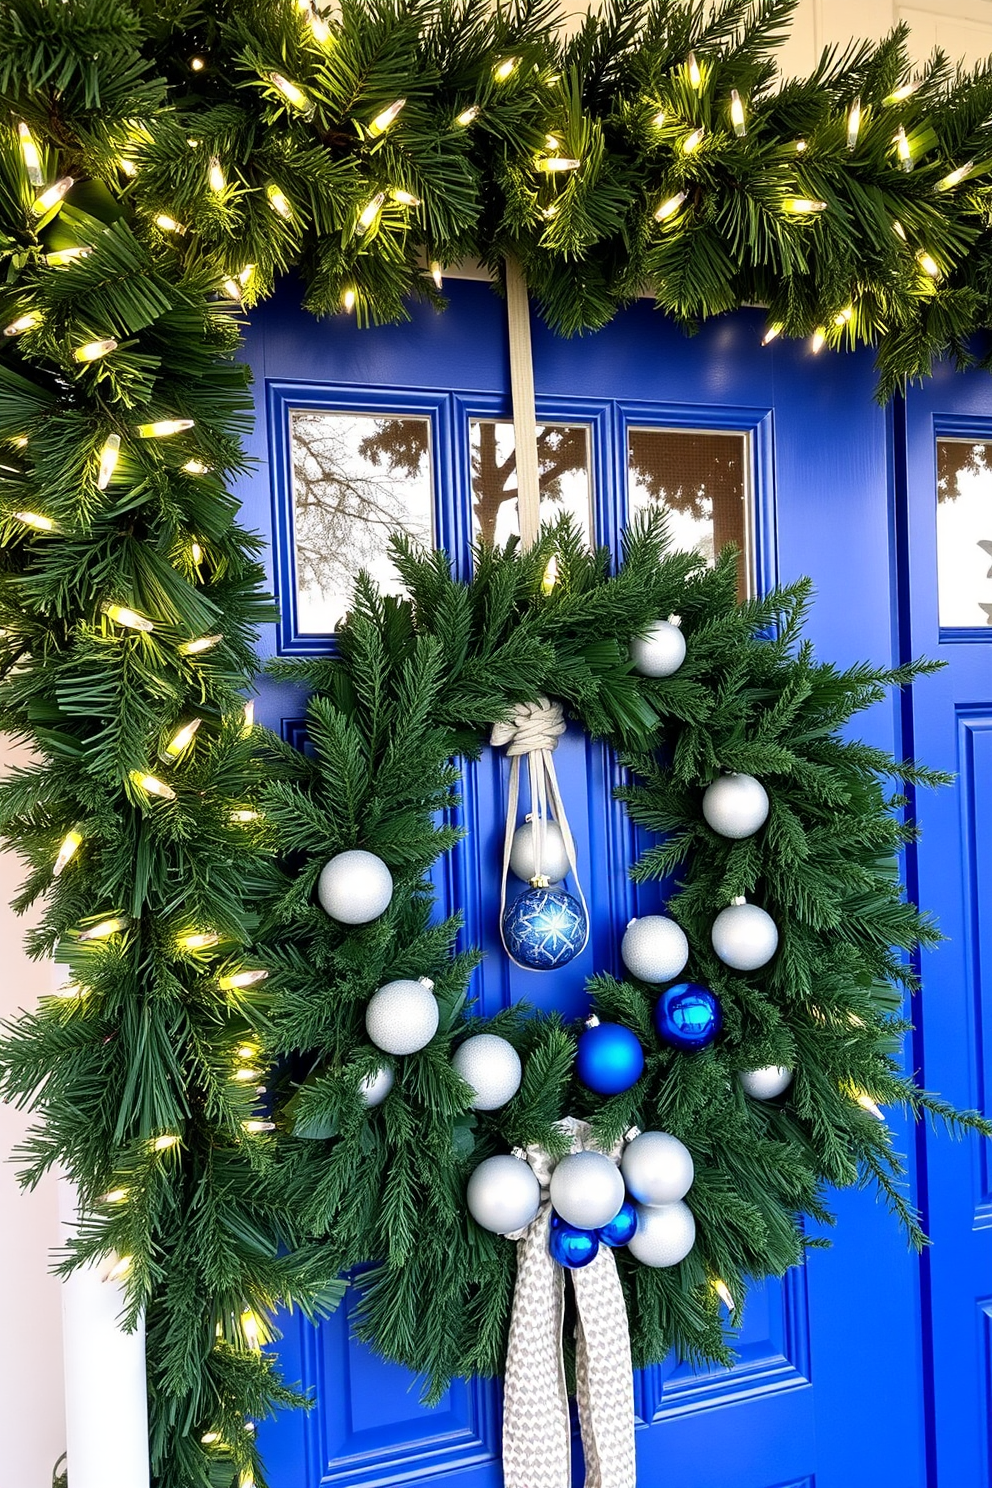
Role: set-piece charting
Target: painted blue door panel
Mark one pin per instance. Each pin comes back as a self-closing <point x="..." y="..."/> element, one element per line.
<point x="846" y="1328"/>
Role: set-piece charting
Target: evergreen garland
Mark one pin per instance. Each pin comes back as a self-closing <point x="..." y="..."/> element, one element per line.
<point x="184" y="190"/>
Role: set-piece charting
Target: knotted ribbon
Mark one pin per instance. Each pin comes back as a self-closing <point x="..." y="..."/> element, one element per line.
<point x="536" y="1429"/>
<point x="532" y="732"/>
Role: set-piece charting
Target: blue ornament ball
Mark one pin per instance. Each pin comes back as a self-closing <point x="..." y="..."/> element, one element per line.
<point x="621" y="1229"/>
<point x="544" y="928"/>
<point x="569" y="1246"/>
<point x="609" y="1058"/>
<point x="688" y="1016"/>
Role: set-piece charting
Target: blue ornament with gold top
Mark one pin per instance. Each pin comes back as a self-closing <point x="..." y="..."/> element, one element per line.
<point x="609" y="1057"/>
<point x="544" y="928"/>
<point x="569" y="1246"/>
<point x="688" y="1016"/>
<point x="621" y="1229"/>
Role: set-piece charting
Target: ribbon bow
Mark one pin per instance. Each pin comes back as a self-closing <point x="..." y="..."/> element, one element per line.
<point x="537" y="1447"/>
<point x="532" y="731"/>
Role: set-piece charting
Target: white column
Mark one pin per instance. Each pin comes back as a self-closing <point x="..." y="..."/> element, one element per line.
<point x="106" y="1402"/>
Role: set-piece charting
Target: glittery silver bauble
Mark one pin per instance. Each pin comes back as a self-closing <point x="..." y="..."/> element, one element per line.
<point x="657" y="1168"/>
<point x="374" y="1088"/>
<point x="355" y="887"/>
<point x="736" y="805"/>
<point x="660" y="651"/>
<point x="744" y="936"/>
<point x="503" y="1194"/>
<point x="491" y="1066"/>
<point x="402" y="1016"/>
<point x="524" y="858"/>
<point x="654" y="948"/>
<point x="765" y="1083"/>
<point x="587" y="1190"/>
<point x="664" y="1235"/>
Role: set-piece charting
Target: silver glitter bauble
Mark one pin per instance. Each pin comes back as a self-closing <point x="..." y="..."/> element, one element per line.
<point x="402" y="1016"/>
<point x="523" y="853"/>
<point x="374" y="1088"/>
<point x="765" y="1083"/>
<point x="587" y="1190"/>
<point x="660" y="651"/>
<point x="735" y="805"/>
<point x="664" y="1235"/>
<point x="355" y="887"/>
<point x="491" y="1066"/>
<point x="744" y="936"/>
<point x="654" y="948"/>
<point x="657" y="1168"/>
<point x="503" y="1194"/>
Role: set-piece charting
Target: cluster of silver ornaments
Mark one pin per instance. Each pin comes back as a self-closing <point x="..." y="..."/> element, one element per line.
<point x="744" y="936"/>
<point x="402" y="1016"/>
<point x="491" y="1066"/>
<point x="660" y="651"/>
<point x="503" y="1194"/>
<point x="355" y="887"/>
<point x="658" y="1171"/>
<point x="528" y="862"/>
<point x="587" y="1190"/>
<point x="665" y="1234"/>
<point x="735" y="805"/>
<point x="654" y="948"/>
<point x="765" y="1083"/>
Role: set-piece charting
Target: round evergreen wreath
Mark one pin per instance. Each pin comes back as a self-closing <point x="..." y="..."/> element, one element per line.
<point x="421" y="680"/>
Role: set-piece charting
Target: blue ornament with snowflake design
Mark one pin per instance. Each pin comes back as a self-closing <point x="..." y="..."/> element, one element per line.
<point x="544" y="928"/>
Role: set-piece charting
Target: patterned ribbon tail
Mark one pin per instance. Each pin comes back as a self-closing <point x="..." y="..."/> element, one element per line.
<point x="536" y="1428"/>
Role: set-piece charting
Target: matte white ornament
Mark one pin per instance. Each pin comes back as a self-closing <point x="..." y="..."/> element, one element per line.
<point x="744" y="936"/>
<point x="654" y="948"/>
<point x="657" y="1168"/>
<point x="765" y="1083"/>
<point x="660" y="651"/>
<point x="355" y="887"/>
<point x="491" y="1065"/>
<point x="503" y="1194"/>
<point x="402" y="1016"/>
<point x="665" y="1234"/>
<point x="587" y="1190"/>
<point x="374" y="1088"/>
<point x="735" y="805"/>
<point x="523" y="853"/>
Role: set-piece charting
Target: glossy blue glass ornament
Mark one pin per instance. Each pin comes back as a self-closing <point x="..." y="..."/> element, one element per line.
<point x="688" y="1016"/>
<point x="621" y="1229"/>
<point x="544" y="928"/>
<point x="571" y="1247"/>
<point x="609" y="1058"/>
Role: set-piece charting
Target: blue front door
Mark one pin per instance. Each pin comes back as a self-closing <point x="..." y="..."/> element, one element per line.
<point x="789" y="455"/>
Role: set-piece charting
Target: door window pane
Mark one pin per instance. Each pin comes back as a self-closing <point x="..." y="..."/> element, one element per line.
<point x="701" y="480"/>
<point x="563" y="469"/>
<point x="357" y="478"/>
<point x="964" y="533"/>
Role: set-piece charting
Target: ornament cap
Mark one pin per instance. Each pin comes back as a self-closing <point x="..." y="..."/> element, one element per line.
<point x="739" y="900"/>
<point x="632" y="922"/>
<point x="631" y="1133"/>
<point x="426" y="982"/>
<point x="592" y="1021"/>
<point x="540" y="881"/>
<point x="675" y="620"/>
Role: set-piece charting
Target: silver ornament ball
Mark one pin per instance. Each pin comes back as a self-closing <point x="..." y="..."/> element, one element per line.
<point x="375" y="1087"/>
<point x="503" y="1194"/>
<point x="654" y="948"/>
<point x="657" y="1168"/>
<point x="765" y="1083"/>
<point x="744" y="936"/>
<point x="587" y="1190"/>
<point x="660" y="651"/>
<point x="355" y="887"/>
<point x="402" y="1016"/>
<point x="491" y="1065"/>
<point x="553" y="864"/>
<point x="735" y="805"/>
<point x="664" y="1236"/>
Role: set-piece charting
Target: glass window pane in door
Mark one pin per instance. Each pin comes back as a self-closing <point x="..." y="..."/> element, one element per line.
<point x="563" y="470"/>
<point x="964" y="533"/>
<point x="357" y="478"/>
<point x="701" y="480"/>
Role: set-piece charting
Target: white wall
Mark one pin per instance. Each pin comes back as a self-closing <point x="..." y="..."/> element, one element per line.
<point x="31" y="1423"/>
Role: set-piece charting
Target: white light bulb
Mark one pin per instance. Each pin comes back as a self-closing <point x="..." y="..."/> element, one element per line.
<point x="109" y="456"/>
<point x="53" y="196"/>
<point x="737" y="113"/>
<point x="92" y="351"/>
<point x="163" y="428"/>
<point x="853" y="124"/>
<point x="382" y="121"/>
<point x="669" y="207"/>
<point x="130" y="619"/>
